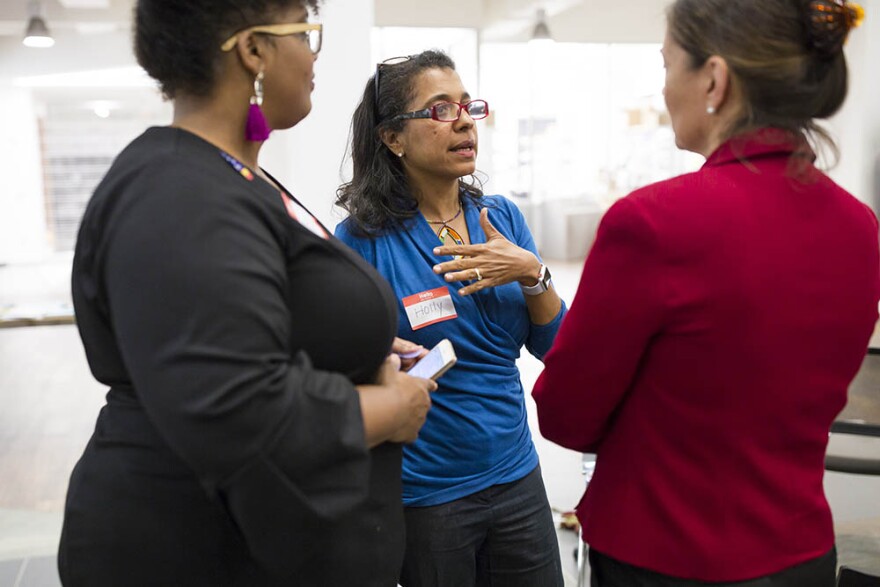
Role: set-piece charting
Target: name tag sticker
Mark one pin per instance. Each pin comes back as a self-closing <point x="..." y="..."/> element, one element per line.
<point x="302" y="216"/>
<point x="429" y="307"/>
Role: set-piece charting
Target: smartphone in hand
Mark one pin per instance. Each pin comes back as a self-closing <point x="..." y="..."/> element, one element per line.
<point x="436" y="362"/>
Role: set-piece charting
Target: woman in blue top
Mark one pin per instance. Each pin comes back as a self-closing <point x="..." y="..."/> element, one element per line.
<point x="463" y="266"/>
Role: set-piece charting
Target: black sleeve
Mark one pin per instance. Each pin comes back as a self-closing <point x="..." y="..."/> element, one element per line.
<point x="195" y="276"/>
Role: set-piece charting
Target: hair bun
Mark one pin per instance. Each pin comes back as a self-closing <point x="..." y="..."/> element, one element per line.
<point x="829" y="23"/>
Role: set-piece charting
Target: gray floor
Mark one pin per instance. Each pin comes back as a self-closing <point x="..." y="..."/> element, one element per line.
<point x="48" y="402"/>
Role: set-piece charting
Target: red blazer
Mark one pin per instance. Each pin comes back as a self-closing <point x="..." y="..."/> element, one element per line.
<point x="719" y="320"/>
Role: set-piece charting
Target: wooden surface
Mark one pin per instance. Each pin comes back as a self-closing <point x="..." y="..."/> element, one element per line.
<point x="874" y="344"/>
<point x="47" y="313"/>
<point x="864" y="393"/>
<point x="48" y="405"/>
<point x="21" y="322"/>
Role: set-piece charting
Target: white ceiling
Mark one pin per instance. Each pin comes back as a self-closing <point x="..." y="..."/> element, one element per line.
<point x="67" y="15"/>
<point x="584" y="21"/>
<point x="501" y="20"/>
<point x="85" y="3"/>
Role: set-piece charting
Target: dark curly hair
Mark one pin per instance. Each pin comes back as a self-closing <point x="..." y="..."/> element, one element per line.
<point x="378" y="197"/>
<point x="790" y="71"/>
<point x="178" y="42"/>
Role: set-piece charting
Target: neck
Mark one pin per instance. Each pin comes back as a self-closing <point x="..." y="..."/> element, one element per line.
<point x="712" y="143"/>
<point x="438" y="203"/>
<point x="719" y="124"/>
<point x="220" y="123"/>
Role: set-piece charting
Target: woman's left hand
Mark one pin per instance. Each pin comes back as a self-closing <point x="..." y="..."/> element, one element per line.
<point x="497" y="262"/>
<point x="409" y="352"/>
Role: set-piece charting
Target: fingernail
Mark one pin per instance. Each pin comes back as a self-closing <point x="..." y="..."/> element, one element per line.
<point x="437" y="251"/>
<point x="436" y="268"/>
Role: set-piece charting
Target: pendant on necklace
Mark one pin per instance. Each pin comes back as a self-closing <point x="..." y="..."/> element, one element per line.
<point x="447" y="232"/>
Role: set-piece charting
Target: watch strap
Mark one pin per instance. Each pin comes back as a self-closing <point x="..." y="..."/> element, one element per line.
<point x="542" y="285"/>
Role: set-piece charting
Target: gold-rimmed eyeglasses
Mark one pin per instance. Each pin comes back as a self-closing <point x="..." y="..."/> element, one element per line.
<point x="309" y="32"/>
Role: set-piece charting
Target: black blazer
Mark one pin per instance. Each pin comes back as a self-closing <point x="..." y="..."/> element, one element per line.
<point x="231" y="449"/>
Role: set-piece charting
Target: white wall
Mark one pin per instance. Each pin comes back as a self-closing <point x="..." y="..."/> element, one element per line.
<point x="629" y="21"/>
<point x="72" y="52"/>
<point x="22" y="221"/>
<point x="307" y="158"/>
<point x="23" y="229"/>
<point x="857" y="125"/>
<point x="451" y="13"/>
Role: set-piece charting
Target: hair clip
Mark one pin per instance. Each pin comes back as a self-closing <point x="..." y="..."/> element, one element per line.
<point x="829" y="23"/>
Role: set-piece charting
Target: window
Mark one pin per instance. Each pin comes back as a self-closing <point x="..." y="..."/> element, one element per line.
<point x="577" y="121"/>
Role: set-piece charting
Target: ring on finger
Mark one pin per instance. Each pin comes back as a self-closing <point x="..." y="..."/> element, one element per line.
<point x="479" y="275"/>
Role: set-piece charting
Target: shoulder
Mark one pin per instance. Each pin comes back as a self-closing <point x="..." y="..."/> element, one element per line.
<point x="629" y="219"/>
<point x="368" y="246"/>
<point x="166" y="181"/>
<point x="659" y="212"/>
<point x="176" y="167"/>
<point x="498" y="202"/>
<point x="858" y="208"/>
<point x="692" y="202"/>
<point x="502" y="209"/>
<point x="872" y="216"/>
<point x="674" y="191"/>
<point x="347" y="232"/>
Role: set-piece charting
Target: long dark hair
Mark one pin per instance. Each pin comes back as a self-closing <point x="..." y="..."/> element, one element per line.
<point x="378" y="197"/>
<point x="786" y="57"/>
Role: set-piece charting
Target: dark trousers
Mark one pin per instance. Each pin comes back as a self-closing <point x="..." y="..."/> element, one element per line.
<point x="136" y="516"/>
<point x="608" y="572"/>
<point x="502" y="536"/>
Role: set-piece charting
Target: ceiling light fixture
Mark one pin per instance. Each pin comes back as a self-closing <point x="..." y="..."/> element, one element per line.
<point x="541" y="32"/>
<point x="37" y="33"/>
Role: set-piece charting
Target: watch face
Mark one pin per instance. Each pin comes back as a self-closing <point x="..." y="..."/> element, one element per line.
<point x="542" y="285"/>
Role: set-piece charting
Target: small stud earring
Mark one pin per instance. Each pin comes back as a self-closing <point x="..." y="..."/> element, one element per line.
<point x="710" y="110"/>
<point x="400" y="154"/>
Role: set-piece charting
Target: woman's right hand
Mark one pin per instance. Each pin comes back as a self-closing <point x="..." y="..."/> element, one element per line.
<point x="414" y="396"/>
<point x="395" y="408"/>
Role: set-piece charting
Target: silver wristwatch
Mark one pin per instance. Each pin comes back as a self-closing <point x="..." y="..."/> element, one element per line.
<point x="542" y="285"/>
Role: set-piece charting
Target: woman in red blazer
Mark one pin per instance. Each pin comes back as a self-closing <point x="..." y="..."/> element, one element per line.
<point x="721" y="316"/>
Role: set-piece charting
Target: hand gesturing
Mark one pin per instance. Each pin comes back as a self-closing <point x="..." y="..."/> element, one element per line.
<point x="496" y="262"/>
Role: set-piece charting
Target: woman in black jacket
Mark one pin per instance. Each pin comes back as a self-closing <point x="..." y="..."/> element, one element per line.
<point x="252" y="427"/>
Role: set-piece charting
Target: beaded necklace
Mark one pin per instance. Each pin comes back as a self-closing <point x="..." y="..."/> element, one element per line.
<point x="238" y="166"/>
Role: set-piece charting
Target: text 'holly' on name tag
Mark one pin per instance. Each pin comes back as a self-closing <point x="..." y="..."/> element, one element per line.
<point x="429" y="307"/>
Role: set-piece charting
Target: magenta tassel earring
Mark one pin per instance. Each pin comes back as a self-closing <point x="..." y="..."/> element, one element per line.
<point x="256" y="128"/>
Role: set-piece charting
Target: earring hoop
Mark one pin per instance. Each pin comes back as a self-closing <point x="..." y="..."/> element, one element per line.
<point x="257" y="98"/>
<point x="256" y="128"/>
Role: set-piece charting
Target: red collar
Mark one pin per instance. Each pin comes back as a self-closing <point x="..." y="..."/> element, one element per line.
<point x="767" y="142"/>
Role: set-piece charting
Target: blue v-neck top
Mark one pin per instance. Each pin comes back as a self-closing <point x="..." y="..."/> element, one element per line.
<point x="476" y="434"/>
